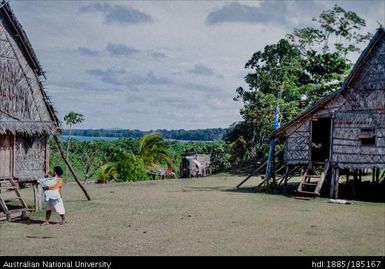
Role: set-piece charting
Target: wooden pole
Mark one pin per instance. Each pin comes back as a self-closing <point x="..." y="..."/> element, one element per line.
<point x="336" y="182"/>
<point x="254" y="173"/>
<point x="332" y="182"/>
<point x="285" y="177"/>
<point x="37" y="197"/>
<point x="377" y="175"/>
<point x="57" y="140"/>
<point x="347" y="176"/>
<point x="354" y="184"/>
<point x="373" y="174"/>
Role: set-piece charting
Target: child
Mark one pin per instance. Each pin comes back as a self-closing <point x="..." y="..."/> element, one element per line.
<point x="52" y="187"/>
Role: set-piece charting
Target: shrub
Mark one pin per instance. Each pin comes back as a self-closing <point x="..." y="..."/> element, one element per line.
<point x="131" y="168"/>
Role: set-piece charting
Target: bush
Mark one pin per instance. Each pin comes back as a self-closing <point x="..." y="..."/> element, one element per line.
<point x="131" y="168"/>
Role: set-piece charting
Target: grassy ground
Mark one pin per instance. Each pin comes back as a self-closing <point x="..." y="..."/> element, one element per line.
<point x="200" y="216"/>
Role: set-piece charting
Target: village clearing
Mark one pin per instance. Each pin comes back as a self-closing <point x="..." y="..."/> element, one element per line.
<point x="197" y="216"/>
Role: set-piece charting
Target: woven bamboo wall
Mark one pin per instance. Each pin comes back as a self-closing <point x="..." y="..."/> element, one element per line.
<point x="297" y="143"/>
<point x="30" y="156"/>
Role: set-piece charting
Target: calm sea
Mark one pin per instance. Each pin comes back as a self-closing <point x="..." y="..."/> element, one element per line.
<point x="89" y="138"/>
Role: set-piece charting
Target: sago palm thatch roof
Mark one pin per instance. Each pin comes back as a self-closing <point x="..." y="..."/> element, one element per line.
<point x="24" y="105"/>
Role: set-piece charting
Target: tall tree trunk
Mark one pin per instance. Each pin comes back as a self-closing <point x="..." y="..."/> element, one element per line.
<point x="67" y="153"/>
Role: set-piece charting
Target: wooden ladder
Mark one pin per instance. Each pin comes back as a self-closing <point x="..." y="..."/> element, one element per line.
<point x="9" y="191"/>
<point x="311" y="184"/>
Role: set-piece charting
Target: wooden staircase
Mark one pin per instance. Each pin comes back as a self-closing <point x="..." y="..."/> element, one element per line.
<point x="312" y="181"/>
<point x="9" y="192"/>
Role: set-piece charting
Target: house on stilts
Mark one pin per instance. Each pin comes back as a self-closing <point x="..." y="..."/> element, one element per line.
<point x="345" y="131"/>
<point x="27" y="117"/>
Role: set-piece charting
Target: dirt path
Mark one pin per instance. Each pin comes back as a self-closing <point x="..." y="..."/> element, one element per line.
<point x="204" y="216"/>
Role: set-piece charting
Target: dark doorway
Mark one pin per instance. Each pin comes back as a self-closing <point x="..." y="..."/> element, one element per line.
<point x="184" y="167"/>
<point x="320" y="146"/>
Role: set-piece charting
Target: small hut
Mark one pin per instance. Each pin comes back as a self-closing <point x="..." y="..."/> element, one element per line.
<point x="345" y="131"/>
<point x="194" y="165"/>
<point x="27" y="117"/>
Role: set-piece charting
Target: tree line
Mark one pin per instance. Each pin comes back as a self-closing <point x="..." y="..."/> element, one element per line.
<point x="210" y="134"/>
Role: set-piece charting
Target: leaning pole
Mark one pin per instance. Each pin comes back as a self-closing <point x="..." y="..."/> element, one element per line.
<point x="58" y="143"/>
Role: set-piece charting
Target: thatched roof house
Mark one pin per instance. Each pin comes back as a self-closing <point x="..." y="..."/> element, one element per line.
<point x="27" y="117"/>
<point x="347" y="128"/>
<point x="194" y="165"/>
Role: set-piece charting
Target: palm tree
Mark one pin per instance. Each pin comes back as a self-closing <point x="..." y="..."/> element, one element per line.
<point x="107" y="172"/>
<point x="153" y="150"/>
<point x="71" y="119"/>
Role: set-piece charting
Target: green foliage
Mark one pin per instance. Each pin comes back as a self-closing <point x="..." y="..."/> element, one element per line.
<point x="153" y="150"/>
<point x="338" y="31"/>
<point x="130" y="168"/>
<point x="301" y="69"/>
<point x="73" y="118"/>
<point x="92" y="155"/>
<point x="107" y="172"/>
<point x="238" y="150"/>
<point x="92" y="158"/>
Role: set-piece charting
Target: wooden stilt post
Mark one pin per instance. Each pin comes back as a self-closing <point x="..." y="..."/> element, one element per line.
<point x="336" y="182"/>
<point x="354" y="185"/>
<point x="377" y="175"/>
<point x="332" y="182"/>
<point x="37" y="197"/>
<point x="373" y="174"/>
<point x="70" y="166"/>
<point x="285" y="178"/>
<point x="347" y="176"/>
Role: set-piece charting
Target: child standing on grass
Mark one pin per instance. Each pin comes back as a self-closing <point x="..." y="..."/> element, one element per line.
<point x="52" y="187"/>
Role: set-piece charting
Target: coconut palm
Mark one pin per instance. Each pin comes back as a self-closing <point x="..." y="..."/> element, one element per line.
<point x="106" y="173"/>
<point x="153" y="150"/>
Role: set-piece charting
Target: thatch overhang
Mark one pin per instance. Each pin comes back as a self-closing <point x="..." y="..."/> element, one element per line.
<point x="281" y="132"/>
<point x="28" y="128"/>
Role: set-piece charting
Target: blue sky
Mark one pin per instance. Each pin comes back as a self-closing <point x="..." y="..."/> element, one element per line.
<point x="160" y="64"/>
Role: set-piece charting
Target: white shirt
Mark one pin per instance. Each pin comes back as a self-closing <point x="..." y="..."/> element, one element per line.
<point x="49" y="194"/>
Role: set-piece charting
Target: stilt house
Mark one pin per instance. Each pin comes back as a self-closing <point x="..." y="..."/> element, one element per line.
<point x="345" y="130"/>
<point x="27" y="117"/>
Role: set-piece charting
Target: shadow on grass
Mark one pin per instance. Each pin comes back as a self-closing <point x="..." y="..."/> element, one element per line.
<point x="192" y="189"/>
<point x="364" y="191"/>
<point x="243" y="190"/>
<point x="39" y="237"/>
<point x="30" y="221"/>
<point x="291" y="187"/>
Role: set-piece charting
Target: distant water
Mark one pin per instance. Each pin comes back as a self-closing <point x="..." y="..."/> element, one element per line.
<point x="89" y="138"/>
